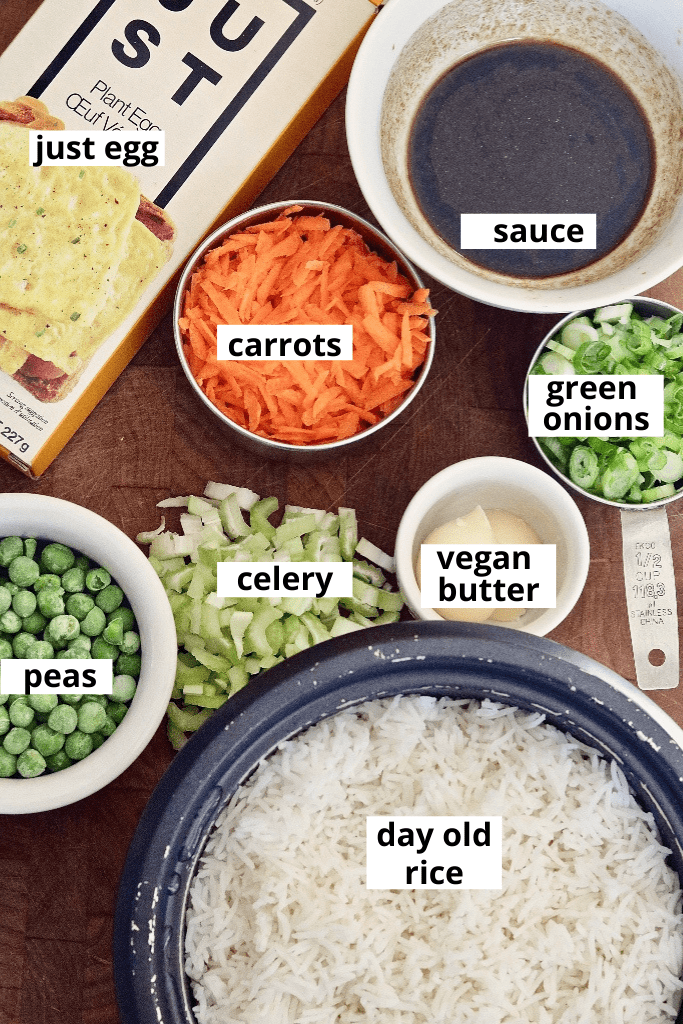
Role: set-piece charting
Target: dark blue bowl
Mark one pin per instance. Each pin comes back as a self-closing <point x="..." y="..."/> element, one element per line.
<point x="441" y="659"/>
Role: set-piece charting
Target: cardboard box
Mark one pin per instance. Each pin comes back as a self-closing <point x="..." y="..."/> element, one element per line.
<point x="234" y="86"/>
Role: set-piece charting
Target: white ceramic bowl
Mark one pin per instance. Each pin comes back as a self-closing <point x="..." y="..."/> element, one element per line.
<point x="512" y="486"/>
<point x="36" y="515"/>
<point x="412" y="44"/>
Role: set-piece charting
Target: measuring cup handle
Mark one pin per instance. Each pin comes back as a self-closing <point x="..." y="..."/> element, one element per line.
<point x="651" y="597"/>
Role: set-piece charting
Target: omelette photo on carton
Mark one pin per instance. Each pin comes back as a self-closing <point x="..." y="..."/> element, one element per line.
<point x="78" y="247"/>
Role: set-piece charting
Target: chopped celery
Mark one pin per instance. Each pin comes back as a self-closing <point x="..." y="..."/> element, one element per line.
<point x="375" y="554"/>
<point x="295" y="527"/>
<point x="348" y="532"/>
<point x="223" y="642"/>
<point x="245" y="497"/>
<point x="198" y="506"/>
<point x="343" y="625"/>
<point x="231" y="517"/>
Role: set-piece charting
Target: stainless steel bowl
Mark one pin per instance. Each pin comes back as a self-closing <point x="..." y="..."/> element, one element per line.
<point x="377" y="242"/>
<point x="645" y="307"/>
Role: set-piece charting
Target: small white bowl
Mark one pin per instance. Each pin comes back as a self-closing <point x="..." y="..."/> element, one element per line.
<point x="36" y="515"/>
<point x="512" y="486"/>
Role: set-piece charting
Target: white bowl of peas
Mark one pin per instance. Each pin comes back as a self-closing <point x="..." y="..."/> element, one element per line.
<point x="73" y="586"/>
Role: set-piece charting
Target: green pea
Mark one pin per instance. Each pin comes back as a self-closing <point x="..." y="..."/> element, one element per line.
<point x="21" y="643"/>
<point x="30" y="546"/>
<point x="51" y="602"/>
<point x="128" y="665"/>
<point x="113" y="632"/>
<point x="63" y="719"/>
<point x="125" y="615"/>
<point x="117" y="711"/>
<point x="79" y="605"/>
<point x="21" y="715"/>
<point x="97" y="579"/>
<point x="109" y="727"/>
<point x="62" y="628"/>
<point x="16" y="740"/>
<point x="130" y="643"/>
<point x="83" y="562"/>
<point x="5" y="599"/>
<point x="11" y="588"/>
<point x="91" y="717"/>
<point x="101" y="649"/>
<point x="10" y="548"/>
<point x="73" y="580"/>
<point x="96" y="698"/>
<point x="24" y="603"/>
<point x="47" y="741"/>
<point x="35" y="623"/>
<point x="57" y="762"/>
<point x="4" y="721"/>
<point x="30" y="763"/>
<point x="7" y="648"/>
<point x="93" y="623"/>
<point x="70" y="698"/>
<point x="66" y="654"/>
<point x="57" y="558"/>
<point x="110" y="598"/>
<point x="78" y="745"/>
<point x="10" y="622"/>
<point x="97" y="740"/>
<point x="23" y="571"/>
<point x="81" y="643"/>
<point x="8" y="764"/>
<point x="40" y="649"/>
<point x="47" y="581"/>
<point x="123" y="688"/>
<point x="42" y="701"/>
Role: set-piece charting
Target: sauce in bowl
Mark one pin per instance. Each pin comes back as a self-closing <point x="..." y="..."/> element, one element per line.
<point x="531" y="127"/>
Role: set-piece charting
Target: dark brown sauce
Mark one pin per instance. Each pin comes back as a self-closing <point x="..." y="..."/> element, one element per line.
<point x="531" y="127"/>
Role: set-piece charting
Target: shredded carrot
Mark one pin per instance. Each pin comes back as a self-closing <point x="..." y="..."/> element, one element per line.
<point x="302" y="270"/>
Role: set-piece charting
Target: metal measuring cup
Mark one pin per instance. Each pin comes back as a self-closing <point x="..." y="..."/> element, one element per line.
<point x="648" y="562"/>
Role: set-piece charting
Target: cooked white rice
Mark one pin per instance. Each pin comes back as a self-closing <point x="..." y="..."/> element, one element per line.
<point x="586" y="930"/>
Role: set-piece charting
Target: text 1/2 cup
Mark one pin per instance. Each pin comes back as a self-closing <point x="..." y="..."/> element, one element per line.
<point x="648" y="563"/>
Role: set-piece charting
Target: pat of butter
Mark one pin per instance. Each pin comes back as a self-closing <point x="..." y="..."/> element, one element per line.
<point x="493" y="526"/>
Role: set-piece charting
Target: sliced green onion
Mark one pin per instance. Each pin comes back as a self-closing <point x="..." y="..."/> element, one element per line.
<point x="584" y="467"/>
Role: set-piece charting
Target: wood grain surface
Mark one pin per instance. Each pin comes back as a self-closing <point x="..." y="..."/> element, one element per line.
<point x="150" y="438"/>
